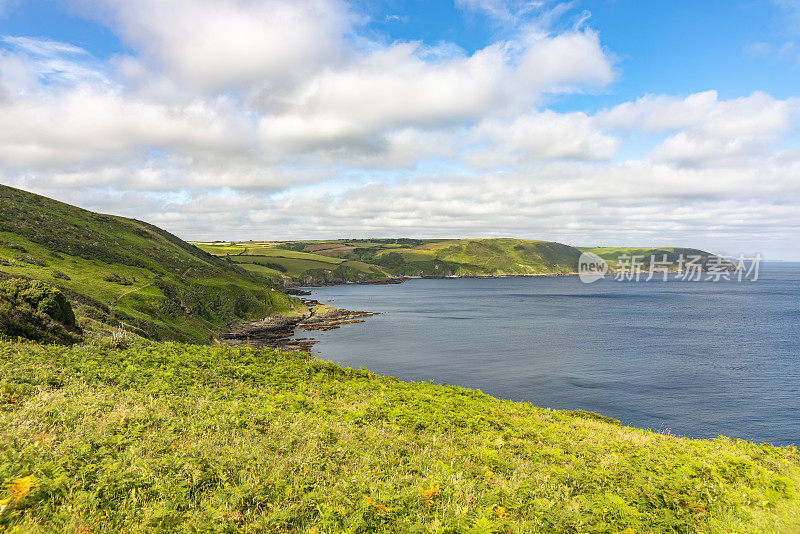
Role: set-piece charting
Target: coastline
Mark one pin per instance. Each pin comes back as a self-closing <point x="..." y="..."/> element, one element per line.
<point x="276" y="331"/>
<point x="402" y="279"/>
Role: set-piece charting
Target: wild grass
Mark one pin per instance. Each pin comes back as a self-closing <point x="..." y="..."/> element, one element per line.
<point x="186" y="438"/>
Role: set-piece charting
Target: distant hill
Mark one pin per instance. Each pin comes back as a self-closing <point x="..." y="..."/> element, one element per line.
<point x="117" y="271"/>
<point x="365" y="260"/>
<point x="375" y="259"/>
<point x="482" y="257"/>
<point x="669" y="256"/>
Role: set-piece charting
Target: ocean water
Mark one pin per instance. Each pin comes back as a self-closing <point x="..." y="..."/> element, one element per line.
<point x="694" y="359"/>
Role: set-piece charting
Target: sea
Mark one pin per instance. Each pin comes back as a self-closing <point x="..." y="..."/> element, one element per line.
<point x="689" y="358"/>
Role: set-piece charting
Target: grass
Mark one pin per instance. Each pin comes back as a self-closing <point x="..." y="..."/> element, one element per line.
<point x="222" y="249"/>
<point x="165" y="437"/>
<point x="122" y="271"/>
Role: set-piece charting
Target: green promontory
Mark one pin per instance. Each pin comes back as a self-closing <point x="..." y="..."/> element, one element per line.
<point x="366" y="260"/>
<point x="370" y="260"/>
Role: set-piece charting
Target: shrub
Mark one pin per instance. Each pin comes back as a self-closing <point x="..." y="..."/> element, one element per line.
<point x="60" y="275"/>
<point x="34" y="310"/>
<point x="296" y="247"/>
<point x="117" y="279"/>
<point x="272" y="265"/>
<point x="27" y="258"/>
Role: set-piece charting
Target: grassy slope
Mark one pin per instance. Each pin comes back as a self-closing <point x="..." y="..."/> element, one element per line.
<point x="169" y="437"/>
<point x="370" y="259"/>
<point x="170" y="289"/>
<point x="496" y="256"/>
<point x="644" y="254"/>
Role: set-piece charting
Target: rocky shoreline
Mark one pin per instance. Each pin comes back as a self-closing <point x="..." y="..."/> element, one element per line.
<point x="292" y="288"/>
<point x="276" y="331"/>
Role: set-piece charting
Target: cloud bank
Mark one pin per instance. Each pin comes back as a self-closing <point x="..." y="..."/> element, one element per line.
<point x="237" y="119"/>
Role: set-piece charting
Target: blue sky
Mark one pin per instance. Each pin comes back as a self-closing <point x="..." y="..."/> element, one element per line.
<point x="675" y="47"/>
<point x="577" y="121"/>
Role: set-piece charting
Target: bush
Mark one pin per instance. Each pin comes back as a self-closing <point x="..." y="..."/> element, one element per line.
<point x="117" y="279"/>
<point x="34" y="310"/>
<point x="27" y="258"/>
<point x="296" y="247"/>
<point x="272" y="265"/>
<point x="60" y="275"/>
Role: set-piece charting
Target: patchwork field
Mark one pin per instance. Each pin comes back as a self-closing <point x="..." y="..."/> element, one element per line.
<point x="362" y="260"/>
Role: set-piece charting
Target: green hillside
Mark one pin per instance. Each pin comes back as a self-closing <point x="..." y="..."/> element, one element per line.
<point x="104" y="434"/>
<point x="374" y="259"/>
<point x="188" y="438"/>
<point x="362" y="260"/>
<point x="476" y="257"/>
<point x="117" y="271"/>
<point x="672" y="256"/>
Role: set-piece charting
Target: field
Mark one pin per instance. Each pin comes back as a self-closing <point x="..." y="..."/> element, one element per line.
<point x="369" y="259"/>
<point x="354" y="260"/>
<point x="279" y="262"/>
<point x="187" y="438"/>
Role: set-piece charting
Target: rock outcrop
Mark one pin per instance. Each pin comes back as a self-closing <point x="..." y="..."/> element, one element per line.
<point x="277" y="330"/>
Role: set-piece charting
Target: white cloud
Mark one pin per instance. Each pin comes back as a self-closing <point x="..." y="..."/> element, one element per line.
<point x="705" y="130"/>
<point x="408" y="84"/>
<point x="49" y="60"/>
<point x="509" y="11"/>
<point x="756" y="114"/>
<point x="566" y="62"/>
<point x="84" y="124"/>
<point x="218" y="44"/>
<point x="788" y="51"/>
<point x="276" y="119"/>
<point x="43" y="47"/>
<point x="390" y="88"/>
<point x="540" y="136"/>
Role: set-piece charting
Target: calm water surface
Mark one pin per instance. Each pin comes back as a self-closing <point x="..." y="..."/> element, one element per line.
<point x="700" y="359"/>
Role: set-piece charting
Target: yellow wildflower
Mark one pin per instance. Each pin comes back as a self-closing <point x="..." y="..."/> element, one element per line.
<point x="20" y="487"/>
<point x="369" y="502"/>
<point x="499" y="511"/>
<point x="489" y="476"/>
<point x="429" y="493"/>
